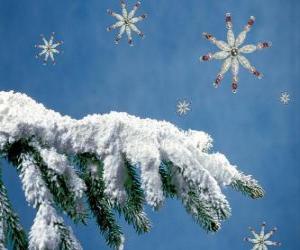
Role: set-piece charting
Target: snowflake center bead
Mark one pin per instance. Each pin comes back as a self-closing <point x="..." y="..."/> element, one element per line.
<point x="127" y="21"/>
<point x="234" y="52"/>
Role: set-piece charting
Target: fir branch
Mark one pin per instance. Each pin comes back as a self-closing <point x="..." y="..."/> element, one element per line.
<point x="61" y="193"/>
<point x="68" y="241"/>
<point x="12" y="229"/>
<point x="201" y="212"/>
<point x="54" y="234"/>
<point x="98" y="202"/>
<point x="133" y="209"/>
<point x="201" y="208"/>
<point x="169" y="188"/>
<point x="201" y="199"/>
<point x="136" y="197"/>
<point x="248" y="186"/>
<point x="63" y="196"/>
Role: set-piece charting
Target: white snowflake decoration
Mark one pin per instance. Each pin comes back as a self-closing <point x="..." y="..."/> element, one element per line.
<point x="261" y="241"/>
<point x="285" y="97"/>
<point x="126" y="22"/>
<point x="49" y="48"/>
<point x="183" y="107"/>
<point x="231" y="52"/>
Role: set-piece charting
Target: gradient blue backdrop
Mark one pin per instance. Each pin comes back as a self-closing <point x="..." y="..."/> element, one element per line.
<point x="93" y="75"/>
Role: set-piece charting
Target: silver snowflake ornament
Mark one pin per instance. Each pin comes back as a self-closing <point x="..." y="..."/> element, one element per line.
<point x="232" y="52"/>
<point x="285" y="97"/>
<point x="126" y="22"/>
<point x="261" y="241"/>
<point x="48" y="49"/>
<point x="183" y="107"/>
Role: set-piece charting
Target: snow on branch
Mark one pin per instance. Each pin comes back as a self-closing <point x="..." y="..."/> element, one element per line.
<point x="119" y="162"/>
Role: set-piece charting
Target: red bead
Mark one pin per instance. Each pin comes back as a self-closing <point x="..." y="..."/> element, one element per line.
<point x="256" y="73"/>
<point x="266" y="45"/>
<point x="218" y="79"/>
<point x="250" y="22"/>
<point x="208" y="36"/>
<point x="205" y="58"/>
<point x="228" y="19"/>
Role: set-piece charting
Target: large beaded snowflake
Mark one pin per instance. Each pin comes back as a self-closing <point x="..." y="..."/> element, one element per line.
<point x="261" y="241"/>
<point x="231" y="52"/>
<point x="48" y="49"/>
<point x="126" y="22"/>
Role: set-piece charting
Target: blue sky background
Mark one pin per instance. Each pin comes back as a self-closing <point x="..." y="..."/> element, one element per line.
<point x="93" y="75"/>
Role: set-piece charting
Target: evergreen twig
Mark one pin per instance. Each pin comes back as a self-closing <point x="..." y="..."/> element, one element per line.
<point x="169" y="188"/>
<point x="68" y="242"/>
<point x="248" y="186"/>
<point x="203" y="212"/>
<point x="63" y="196"/>
<point x="98" y="202"/>
<point x="13" y="230"/>
<point x="133" y="208"/>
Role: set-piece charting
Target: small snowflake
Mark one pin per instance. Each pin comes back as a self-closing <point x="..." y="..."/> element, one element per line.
<point x="126" y="22"/>
<point x="183" y="107"/>
<point x="261" y="241"/>
<point x="285" y="97"/>
<point x="231" y="52"/>
<point x="48" y="49"/>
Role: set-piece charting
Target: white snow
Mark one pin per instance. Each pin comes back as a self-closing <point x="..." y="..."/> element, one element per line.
<point x="114" y="180"/>
<point x="144" y="142"/>
<point x="35" y="189"/>
<point x="45" y="233"/>
<point x="60" y="164"/>
<point x="2" y="236"/>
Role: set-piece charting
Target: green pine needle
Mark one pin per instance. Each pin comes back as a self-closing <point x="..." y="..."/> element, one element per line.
<point x="133" y="209"/>
<point x="248" y="186"/>
<point x="202" y="213"/>
<point x="169" y="188"/>
<point x="67" y="242"/>
<point x="63" y="196"/>
<point x="208" y="215"/>
<point x="13" y="230"/>
<point x="98" y="202"/>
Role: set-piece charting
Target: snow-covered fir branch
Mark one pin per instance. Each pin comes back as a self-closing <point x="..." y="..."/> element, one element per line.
<point x="49" y="232"/>
<point x="117" y="162"/>
<point x="35" y="189"/>
<point x="10" y="227"/>
<point x="60" y="165"/>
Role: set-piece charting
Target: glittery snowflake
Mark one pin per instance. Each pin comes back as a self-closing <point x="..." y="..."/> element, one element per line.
<point x="126" y="22"/>
<point x="285" y="97"/>
<point x="183" y="107"/>
<point x="261" y="241"/>
<point x="231" y="52"/>
<point x="49" y="48"/>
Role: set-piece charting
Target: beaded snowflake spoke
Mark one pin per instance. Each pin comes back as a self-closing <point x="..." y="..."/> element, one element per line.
<point x="126" y="22"/>
<point x="235" y="71"/>
<point x="230" y="34"/>
<point x="225" y="67"/>
<point x="231" y="52"/>
<point x="48" y="49"/>
<point x="261" y="241"/>
<point x="243" y="35"/>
